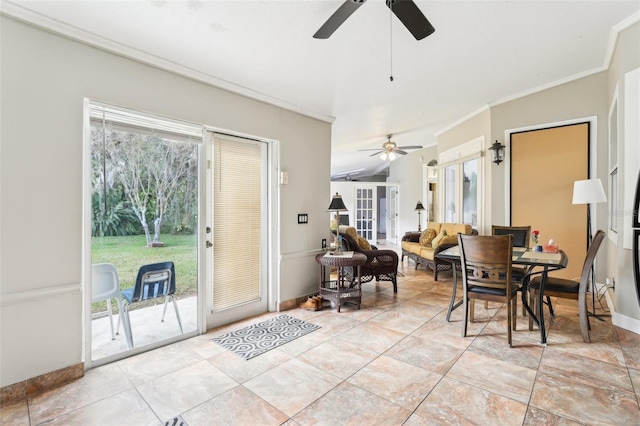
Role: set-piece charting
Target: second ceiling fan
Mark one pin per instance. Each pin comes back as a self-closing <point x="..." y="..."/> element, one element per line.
<point x="406" y="11"/>
<point x="390" y="149"/>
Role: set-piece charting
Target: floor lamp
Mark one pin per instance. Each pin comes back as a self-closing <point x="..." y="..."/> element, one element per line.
<point x="419" y="209"/>
<point x="589" y="192"/>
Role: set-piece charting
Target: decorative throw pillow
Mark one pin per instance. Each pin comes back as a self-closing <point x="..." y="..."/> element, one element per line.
<point x="449" y="239"/>
<point x="426" y="238"/>
<point x="363" y="243"/>
<point x="436" y="241"/>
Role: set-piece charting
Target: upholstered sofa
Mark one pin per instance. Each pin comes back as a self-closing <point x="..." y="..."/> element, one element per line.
<point x="381" y="264"/>
<point x="422" y="247"/>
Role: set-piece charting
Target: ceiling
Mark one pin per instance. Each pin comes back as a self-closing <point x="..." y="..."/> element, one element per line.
<point x="481" y="53"/>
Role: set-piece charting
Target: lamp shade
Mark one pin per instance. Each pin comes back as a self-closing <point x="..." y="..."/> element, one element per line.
<point x="337" y="205"/>
<point x="588" y="192"/>
<point x="419" y="206"/>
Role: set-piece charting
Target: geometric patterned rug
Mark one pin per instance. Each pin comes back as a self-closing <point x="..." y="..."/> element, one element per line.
<point x="259" y="338"/>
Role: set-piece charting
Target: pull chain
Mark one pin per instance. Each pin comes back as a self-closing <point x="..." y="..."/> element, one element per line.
<point x="391" y="41"/>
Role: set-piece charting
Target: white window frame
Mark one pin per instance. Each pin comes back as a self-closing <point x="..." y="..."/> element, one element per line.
<point x="471" y="150"/>
<point x="613" y="161"/>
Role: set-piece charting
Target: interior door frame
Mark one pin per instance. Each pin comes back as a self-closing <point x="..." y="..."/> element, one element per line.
<point x="591" y="121"/>
<point x="593" y="154"/>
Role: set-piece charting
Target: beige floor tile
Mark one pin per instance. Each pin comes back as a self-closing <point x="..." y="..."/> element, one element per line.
<point x="399" y="382"/>
<point x="149" y="365"/>
<point x="333" y="323"/>
<point x="635" y="380"/>
<point x="433" y="356"/>
<point x="398" y="321"/>
<point x="306" y="342"/>
<point x="499" y="377"/>
<point x="630" y="347"/>
<point x="582" y="402"/>
<point x="184" y="389"/>
<point x="372" y="336"/>
<point x="340" y="358"/>
<point x="521" y="353"/>
<point x="453" y="402"/>
<point x="241" y="370"/>
<point x="14" y="414"/>
<point x="237" y="406"/>
<point x="536" y="417"/>
<point x="423" y="311"/>
<point x="97" y="384"/>
<point x="350" y="405"/>
<point x="127" y="407"/>
<point x="575" y="367"/>
<point x="292" y="386"/>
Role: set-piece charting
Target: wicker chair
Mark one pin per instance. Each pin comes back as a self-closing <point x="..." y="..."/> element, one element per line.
<point x="381" y="264"/>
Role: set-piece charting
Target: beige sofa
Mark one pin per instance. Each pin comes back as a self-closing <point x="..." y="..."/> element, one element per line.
<point x="422" y="247"/>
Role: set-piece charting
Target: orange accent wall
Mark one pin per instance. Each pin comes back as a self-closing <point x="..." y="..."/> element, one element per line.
<point x="544" y="165"/>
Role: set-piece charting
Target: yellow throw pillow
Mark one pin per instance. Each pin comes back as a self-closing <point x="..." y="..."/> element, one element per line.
<point x="427" y="236"/>
<point x="449" y="239"/>
<point x="436" y="241"/>
<point x="363" y="243"/>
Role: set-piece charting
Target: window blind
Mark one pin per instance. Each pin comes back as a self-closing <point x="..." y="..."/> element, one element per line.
<point x="237" y="198"/>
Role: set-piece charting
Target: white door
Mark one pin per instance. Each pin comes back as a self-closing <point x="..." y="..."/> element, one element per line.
<point x="237" y="178"/>
<point x="392" y="217"/>
<point x="366" y="212"/>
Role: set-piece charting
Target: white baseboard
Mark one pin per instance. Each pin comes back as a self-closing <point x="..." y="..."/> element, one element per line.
<point x="619" y="320"/>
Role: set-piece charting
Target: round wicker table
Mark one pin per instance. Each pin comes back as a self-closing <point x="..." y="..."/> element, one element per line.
<point x="341" y="290"/>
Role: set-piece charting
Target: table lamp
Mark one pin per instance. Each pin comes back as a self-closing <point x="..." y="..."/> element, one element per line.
<point x="589" y="192"/>
<point x="337" y="206"/>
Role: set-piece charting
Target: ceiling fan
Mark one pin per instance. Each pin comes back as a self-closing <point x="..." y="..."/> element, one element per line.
<point x="390" y="149"/>
<point x="406" y="11"/>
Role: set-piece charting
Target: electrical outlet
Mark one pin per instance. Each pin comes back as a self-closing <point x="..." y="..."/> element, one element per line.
<point x="610" y="282"/>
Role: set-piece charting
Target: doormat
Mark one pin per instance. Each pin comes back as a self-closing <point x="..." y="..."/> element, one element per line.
<point x="176" y="421"/>
<point x="259" y="338"/>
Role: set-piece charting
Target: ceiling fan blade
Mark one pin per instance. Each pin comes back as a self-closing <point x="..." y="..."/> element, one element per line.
<point x="412" y="18"/>
<point x="338" y="17"/>
<point x="401" y="152"/>
<point x="410" y="147"/>
<point x="370" y="149"/>
<point x="376" y="153"/>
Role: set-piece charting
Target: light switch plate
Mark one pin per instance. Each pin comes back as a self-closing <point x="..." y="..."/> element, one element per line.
<point x="303" y="218"/>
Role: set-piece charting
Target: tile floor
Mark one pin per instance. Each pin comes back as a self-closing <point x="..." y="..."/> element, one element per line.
<point x="396" y="361"/>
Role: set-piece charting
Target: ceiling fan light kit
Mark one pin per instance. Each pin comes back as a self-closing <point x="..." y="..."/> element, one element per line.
<point x="390" y="150"/>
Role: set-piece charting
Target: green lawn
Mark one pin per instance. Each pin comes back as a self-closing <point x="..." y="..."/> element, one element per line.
<point x="128" y="254"/>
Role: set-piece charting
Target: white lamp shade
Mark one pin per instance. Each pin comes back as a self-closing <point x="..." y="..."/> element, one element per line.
<point x="588" y="192"/>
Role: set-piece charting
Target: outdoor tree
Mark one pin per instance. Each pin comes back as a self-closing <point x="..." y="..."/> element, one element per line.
<point x="150" y="170"/>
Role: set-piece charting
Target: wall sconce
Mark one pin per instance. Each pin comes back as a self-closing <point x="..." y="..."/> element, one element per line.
<point x="419" y="209"/>
<point x="497" y="155"/>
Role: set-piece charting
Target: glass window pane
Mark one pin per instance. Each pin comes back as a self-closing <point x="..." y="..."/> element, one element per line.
<point x="450" y="194"/>
<point x="470" y="192"/>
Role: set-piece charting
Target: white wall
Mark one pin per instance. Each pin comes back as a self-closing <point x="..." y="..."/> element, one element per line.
<point x="44" y="79"/>
<point x="619" y="266"/>
<point x="407" y="170"/>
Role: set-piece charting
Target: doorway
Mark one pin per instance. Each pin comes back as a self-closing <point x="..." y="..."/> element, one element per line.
<point x="144" y="204"/>
<point x="544" y="165"/>
<point x="237" y="216"/>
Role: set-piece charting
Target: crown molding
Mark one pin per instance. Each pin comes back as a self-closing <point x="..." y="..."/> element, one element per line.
<point x="32" y="18"/>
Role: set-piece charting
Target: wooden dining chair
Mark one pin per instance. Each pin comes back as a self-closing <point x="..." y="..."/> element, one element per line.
<point x="570" y="289"/>
<point x="486" y="275"/>
<point x="521" y="238"/>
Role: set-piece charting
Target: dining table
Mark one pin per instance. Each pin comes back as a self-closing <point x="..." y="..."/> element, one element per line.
<point x="534" y="262"/>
